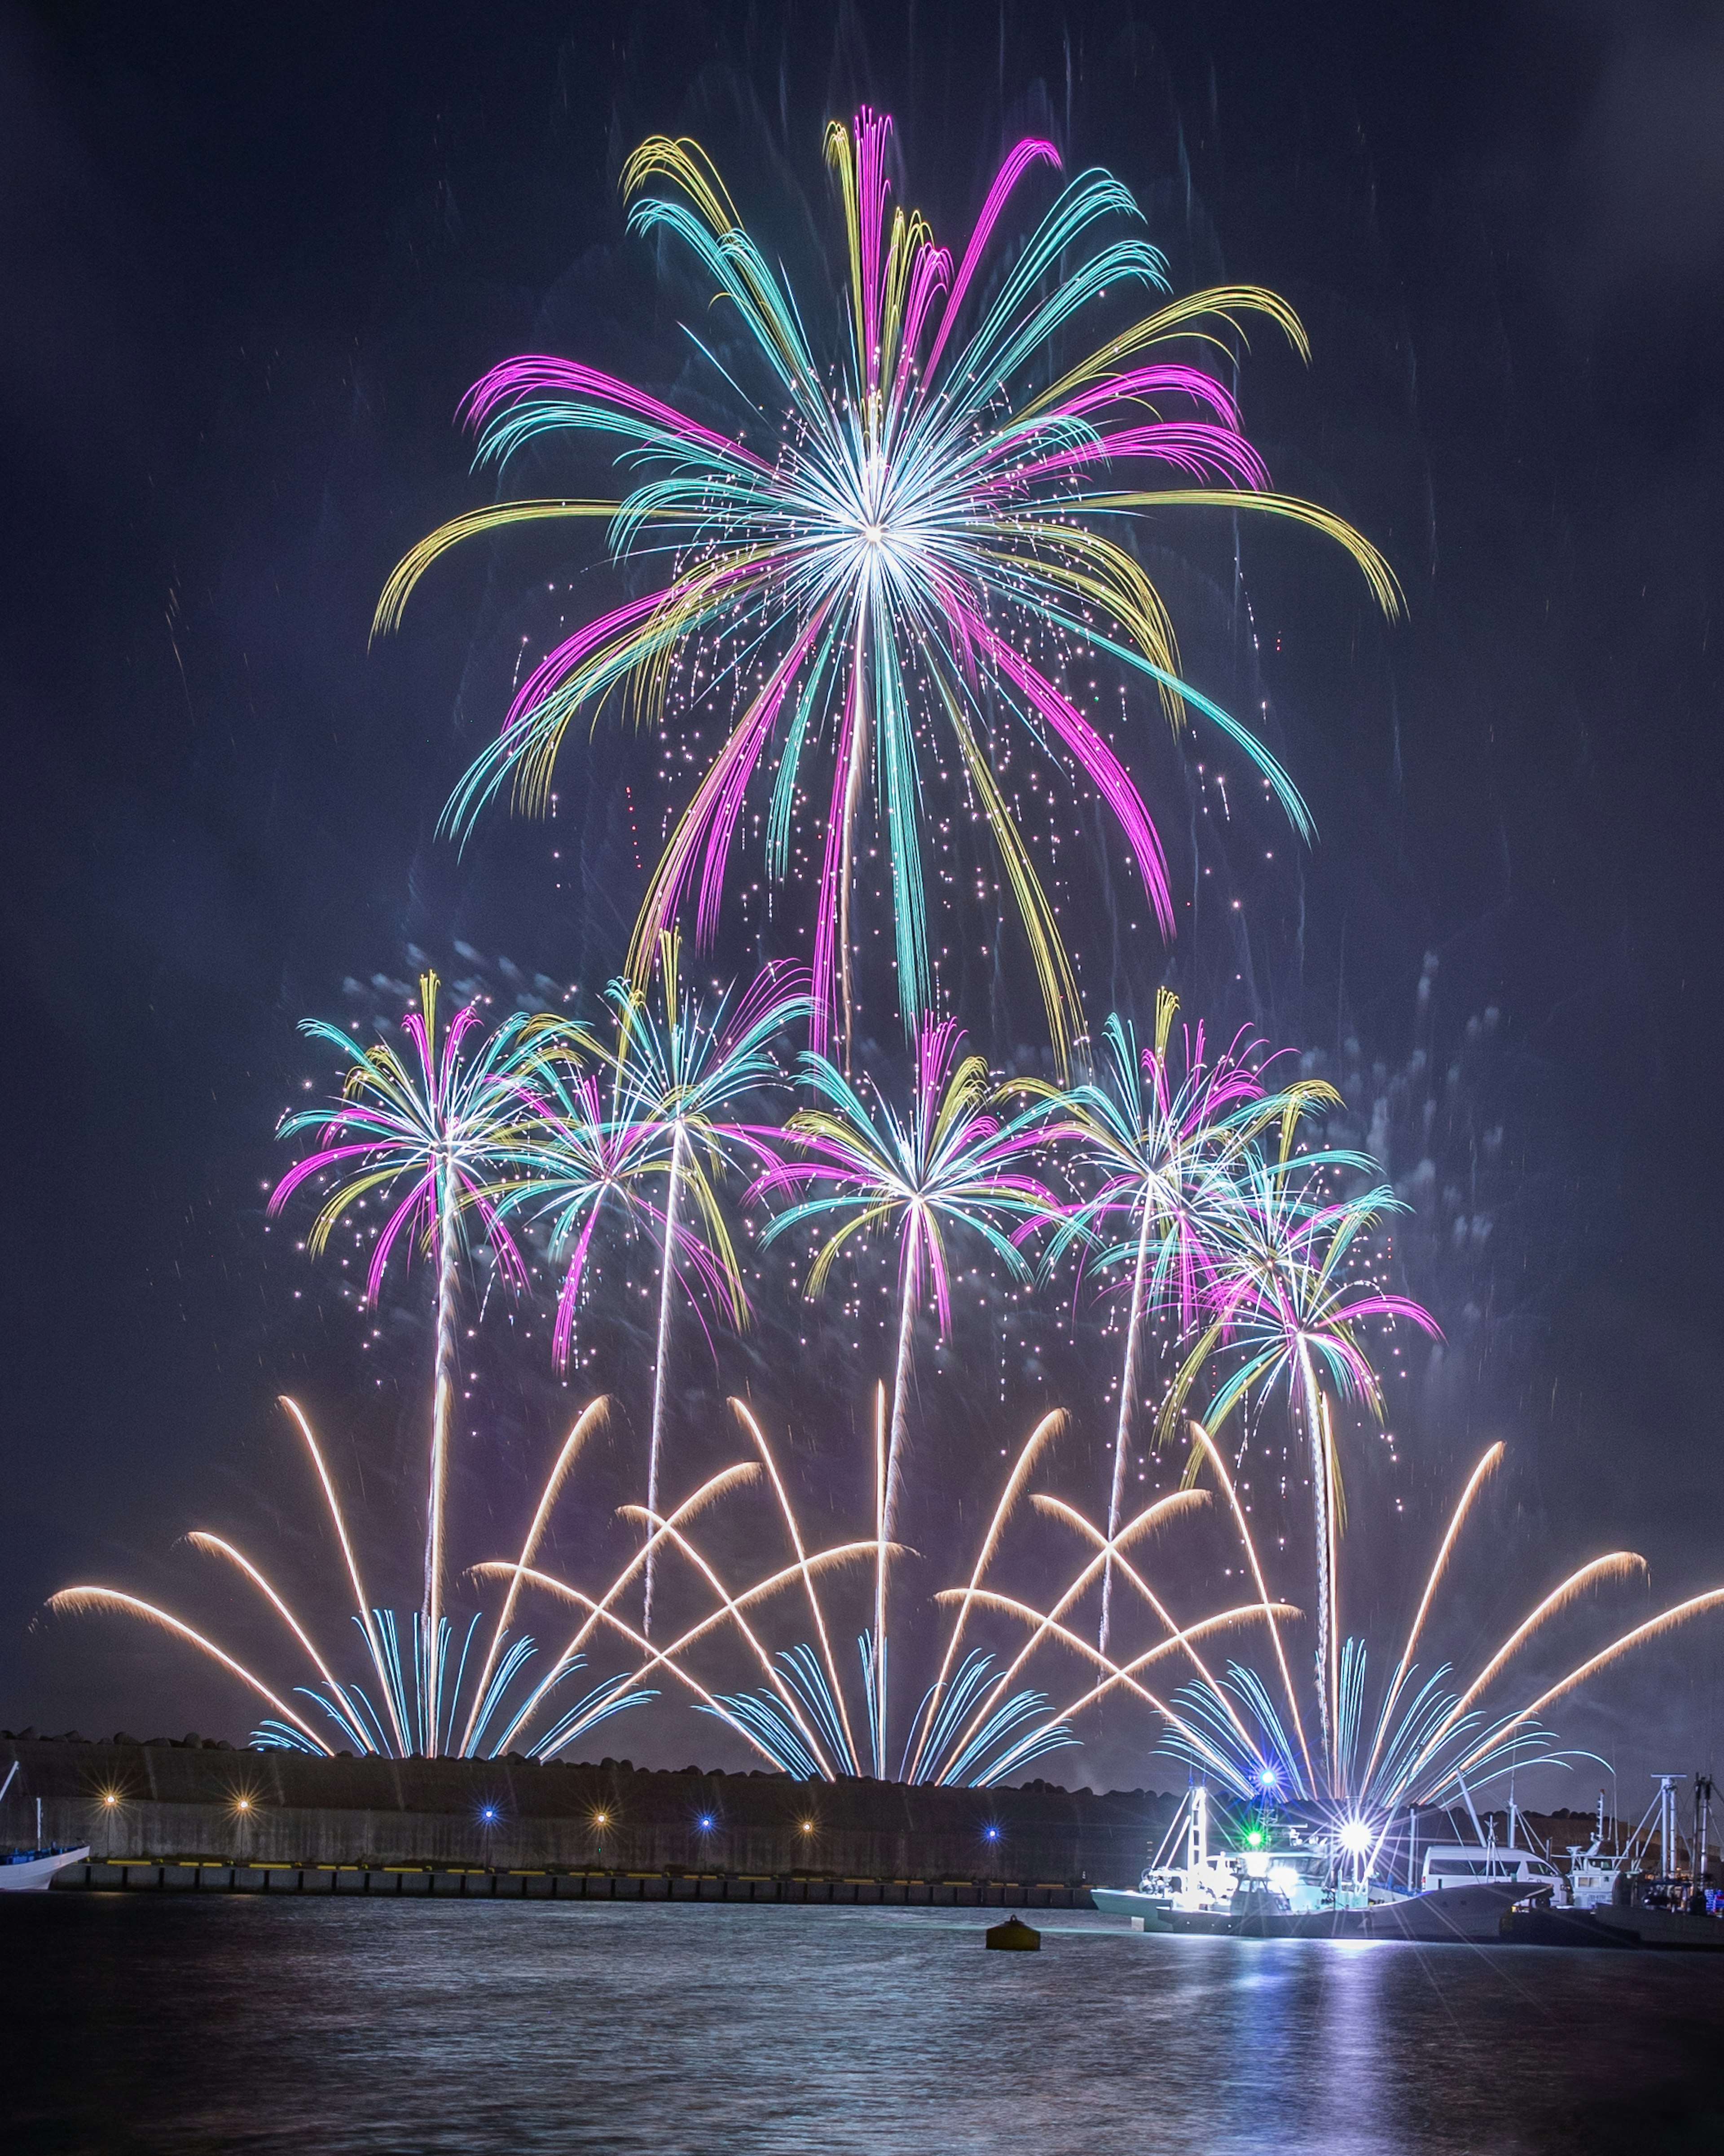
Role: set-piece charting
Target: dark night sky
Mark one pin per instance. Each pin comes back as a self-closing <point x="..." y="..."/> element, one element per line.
<point x="249" y="260"/>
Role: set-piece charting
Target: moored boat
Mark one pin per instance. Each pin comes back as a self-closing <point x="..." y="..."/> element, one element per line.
<point x="1282" y="1879"/>
<point x="30" y="1871"/>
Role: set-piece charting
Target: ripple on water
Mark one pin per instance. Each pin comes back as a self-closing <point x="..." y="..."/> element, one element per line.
<point x="146" y="2023"/>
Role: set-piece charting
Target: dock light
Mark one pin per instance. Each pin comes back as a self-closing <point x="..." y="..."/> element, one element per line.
<point x="990" y="1834"/>
<point x="108" y="1798"/>
<point x="808" y="1826"/>
<point x="488" y="1813"/>
<point x="704" y="1823"/>
<point x="242" y="1803"/>
<point x="601" y="1819"/>
<point x="1356" y="1837"/>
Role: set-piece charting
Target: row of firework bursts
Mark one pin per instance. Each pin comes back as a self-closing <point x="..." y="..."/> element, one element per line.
<point x="1184" y="1183"/>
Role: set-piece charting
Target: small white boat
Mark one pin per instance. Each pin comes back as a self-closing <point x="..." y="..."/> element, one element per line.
<point x="30" y="1870"/>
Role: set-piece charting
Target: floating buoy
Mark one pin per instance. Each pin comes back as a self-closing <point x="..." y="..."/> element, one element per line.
<point x="1013" y="1937"/>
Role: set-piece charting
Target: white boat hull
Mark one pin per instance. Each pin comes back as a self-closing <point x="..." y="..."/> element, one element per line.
<point x="1470" y="1913"/>
<point x="1474" y="1911"/>
<point x="1147" y="1914"/>
<point x="34" y="1873"/>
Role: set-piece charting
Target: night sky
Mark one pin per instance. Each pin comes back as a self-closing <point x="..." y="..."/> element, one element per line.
<point x="249" y="263"/>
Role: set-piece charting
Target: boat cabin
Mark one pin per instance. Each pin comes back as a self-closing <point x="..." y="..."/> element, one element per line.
<point x="1461" y="1864"/>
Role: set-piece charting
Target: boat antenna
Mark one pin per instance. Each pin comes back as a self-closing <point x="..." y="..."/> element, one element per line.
<point x="1472" y="1809"/>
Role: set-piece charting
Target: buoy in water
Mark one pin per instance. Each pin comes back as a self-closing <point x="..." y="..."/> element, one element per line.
<point x="1013" y="1937"/>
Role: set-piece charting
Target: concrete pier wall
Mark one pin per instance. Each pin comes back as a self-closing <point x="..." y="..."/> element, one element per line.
<point x="249" y="1809"/>
<point x="471" y="1883"/>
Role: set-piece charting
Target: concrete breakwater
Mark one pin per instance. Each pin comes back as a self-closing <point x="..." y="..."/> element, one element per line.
<point x="192" y="1805"/>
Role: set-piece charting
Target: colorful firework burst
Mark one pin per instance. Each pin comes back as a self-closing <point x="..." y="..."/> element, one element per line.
<point x="674" y="1073"/>
<point x="1164" y="1151"/>
<point x="906" y="543"/>
<point x="1287" y="1304"/>
<point x="442" y="1122"/>
<point x="955" y="1161"/>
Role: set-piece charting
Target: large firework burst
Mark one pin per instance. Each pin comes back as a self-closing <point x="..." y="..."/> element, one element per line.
<point x="917" y="538"/>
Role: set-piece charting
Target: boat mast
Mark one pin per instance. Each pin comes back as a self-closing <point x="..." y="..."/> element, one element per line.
<point x="1667" y="1823"/>
<point x="1197" y="1839"/>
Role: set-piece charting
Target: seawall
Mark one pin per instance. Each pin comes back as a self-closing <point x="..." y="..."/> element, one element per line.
<point x="175" y="1801"/>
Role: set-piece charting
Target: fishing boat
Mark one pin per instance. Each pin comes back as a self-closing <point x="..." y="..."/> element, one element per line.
<point x="1594" y="1871"/>
<point x="1282" y="1879"/>
<point x="1469" y="1911"/>
<point x="1285" y="1872"/>
<point x="30" y="1871"/>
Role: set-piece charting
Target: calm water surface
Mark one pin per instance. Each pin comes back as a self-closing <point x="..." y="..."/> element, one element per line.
<point x="138" y="2023"/>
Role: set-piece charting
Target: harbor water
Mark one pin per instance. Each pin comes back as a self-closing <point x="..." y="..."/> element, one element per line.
<point x="319" y="2026"/>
